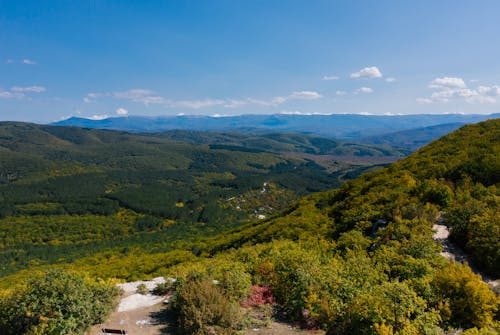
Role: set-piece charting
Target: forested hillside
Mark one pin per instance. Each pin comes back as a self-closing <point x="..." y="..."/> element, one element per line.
<point x="359" y="259"/>
<point x="457" y="176"/>
<point x="284" y="142"/>
<point x="67" y="192"/>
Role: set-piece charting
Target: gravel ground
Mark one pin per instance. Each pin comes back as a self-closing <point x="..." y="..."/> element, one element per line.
<point x="453" y="252"/>
<point x="132" y="300"/>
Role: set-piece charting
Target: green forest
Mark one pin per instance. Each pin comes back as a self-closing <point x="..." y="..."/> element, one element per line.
<point x="68" y="193"/>
<point x="357" y="259"/>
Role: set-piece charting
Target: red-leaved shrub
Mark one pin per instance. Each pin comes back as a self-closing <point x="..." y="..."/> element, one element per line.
<point x="259" y="295"/>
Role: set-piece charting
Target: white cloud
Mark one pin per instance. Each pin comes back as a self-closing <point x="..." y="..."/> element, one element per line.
<point x="331" y="77"/>
<point x="140" y="95"/>
<point x="36" y="89"/>
<point x="300" y="95"/>
<point x="304" y="95"/>
<point x="150" y="97"/>
<point x="364" y="90"/>
<point x="234" y="103"/>
<point x="17" y="92"/>
<point x="91" y="97"/>
<point x="28" y="61"/>
<point x="390" y="79"/>
<point x="9" y="61"/>
<point x="481" y="99"/>
<point x="220" y="115"/>
<point x="493" y="91"/>
<point x="196" y="104"/>
<point x="424" y="101"/>
<point x="451" y="82"/>
<point x="121" y="112"/>
<point x="99" y="117"/>
<point x="11" y="95"/>
<point x="340" y="93"/>
<point x="446" y="89"/>
<point x="136" y="93"/>
<point x="368" y="73"/>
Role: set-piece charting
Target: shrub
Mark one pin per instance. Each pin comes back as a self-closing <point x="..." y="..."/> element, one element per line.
<point x="202" y="309"/>
<point x="235" y="284"/>
<point x="56" y="303"/>
<point x="163" y="288"/>
<point x="464" y="300"/>
<point x="259" y="295"/>
<point x="142" y="289"/>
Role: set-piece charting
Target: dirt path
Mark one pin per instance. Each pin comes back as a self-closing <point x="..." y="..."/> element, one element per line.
<point x="138" y="314"/>
<point x="278" y="328"/>
<point x="142" y="321"/>
<point x="146" y="314"/>
<point x="453" y="252"/>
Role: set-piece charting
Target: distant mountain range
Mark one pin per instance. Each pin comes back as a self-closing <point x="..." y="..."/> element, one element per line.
<point x="341" y="126"/>
<point x="412" y="139"/>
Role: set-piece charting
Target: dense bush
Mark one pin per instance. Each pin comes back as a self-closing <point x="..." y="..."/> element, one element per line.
<point x="56" y="303"/>
<point x="202" y="309"/>
<point x="463" y="299"/>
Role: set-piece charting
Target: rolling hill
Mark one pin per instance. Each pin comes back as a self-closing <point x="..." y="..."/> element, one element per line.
<point x="62" y="188"/>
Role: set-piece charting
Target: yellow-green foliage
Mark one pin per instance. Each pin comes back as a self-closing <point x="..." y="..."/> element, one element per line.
<point x="202" y="309"/>
<point x="56" y="302"/>
<point x="328" y="264"/>
<point x="463" y="297"/>
<point x="63" y="229"/>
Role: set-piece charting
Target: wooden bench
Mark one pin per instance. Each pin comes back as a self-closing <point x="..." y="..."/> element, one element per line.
<point x="114" y="331"/>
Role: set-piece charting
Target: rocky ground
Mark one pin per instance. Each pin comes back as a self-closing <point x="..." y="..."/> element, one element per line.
<point x="146" y="314"/>
<point x="453" y="252"/>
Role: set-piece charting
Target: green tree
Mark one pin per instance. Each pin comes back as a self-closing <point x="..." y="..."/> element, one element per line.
<point x="57" y="303"/>
<point x="463" y="298"/>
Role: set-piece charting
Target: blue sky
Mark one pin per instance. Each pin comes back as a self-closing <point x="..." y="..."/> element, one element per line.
<point x="108" y="58"/>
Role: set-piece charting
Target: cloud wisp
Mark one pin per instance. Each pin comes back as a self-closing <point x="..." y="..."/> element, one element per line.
<point x="36" y="89"/>
<point x="28" y="61"/>
<point x="149" y="97"/>
<point x="18" y="92"/>
<point x="121" y="112"/>
<point x="364" y="90"/>
<point x="331" y="77"/>
<point x="446" y="89"/>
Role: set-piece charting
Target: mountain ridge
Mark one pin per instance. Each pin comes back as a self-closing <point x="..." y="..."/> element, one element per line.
<point x="342" y="126"/>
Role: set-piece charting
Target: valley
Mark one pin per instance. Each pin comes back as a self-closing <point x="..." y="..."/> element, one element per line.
<point x="346" y="260"/>
<point x="69" y="193"/>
